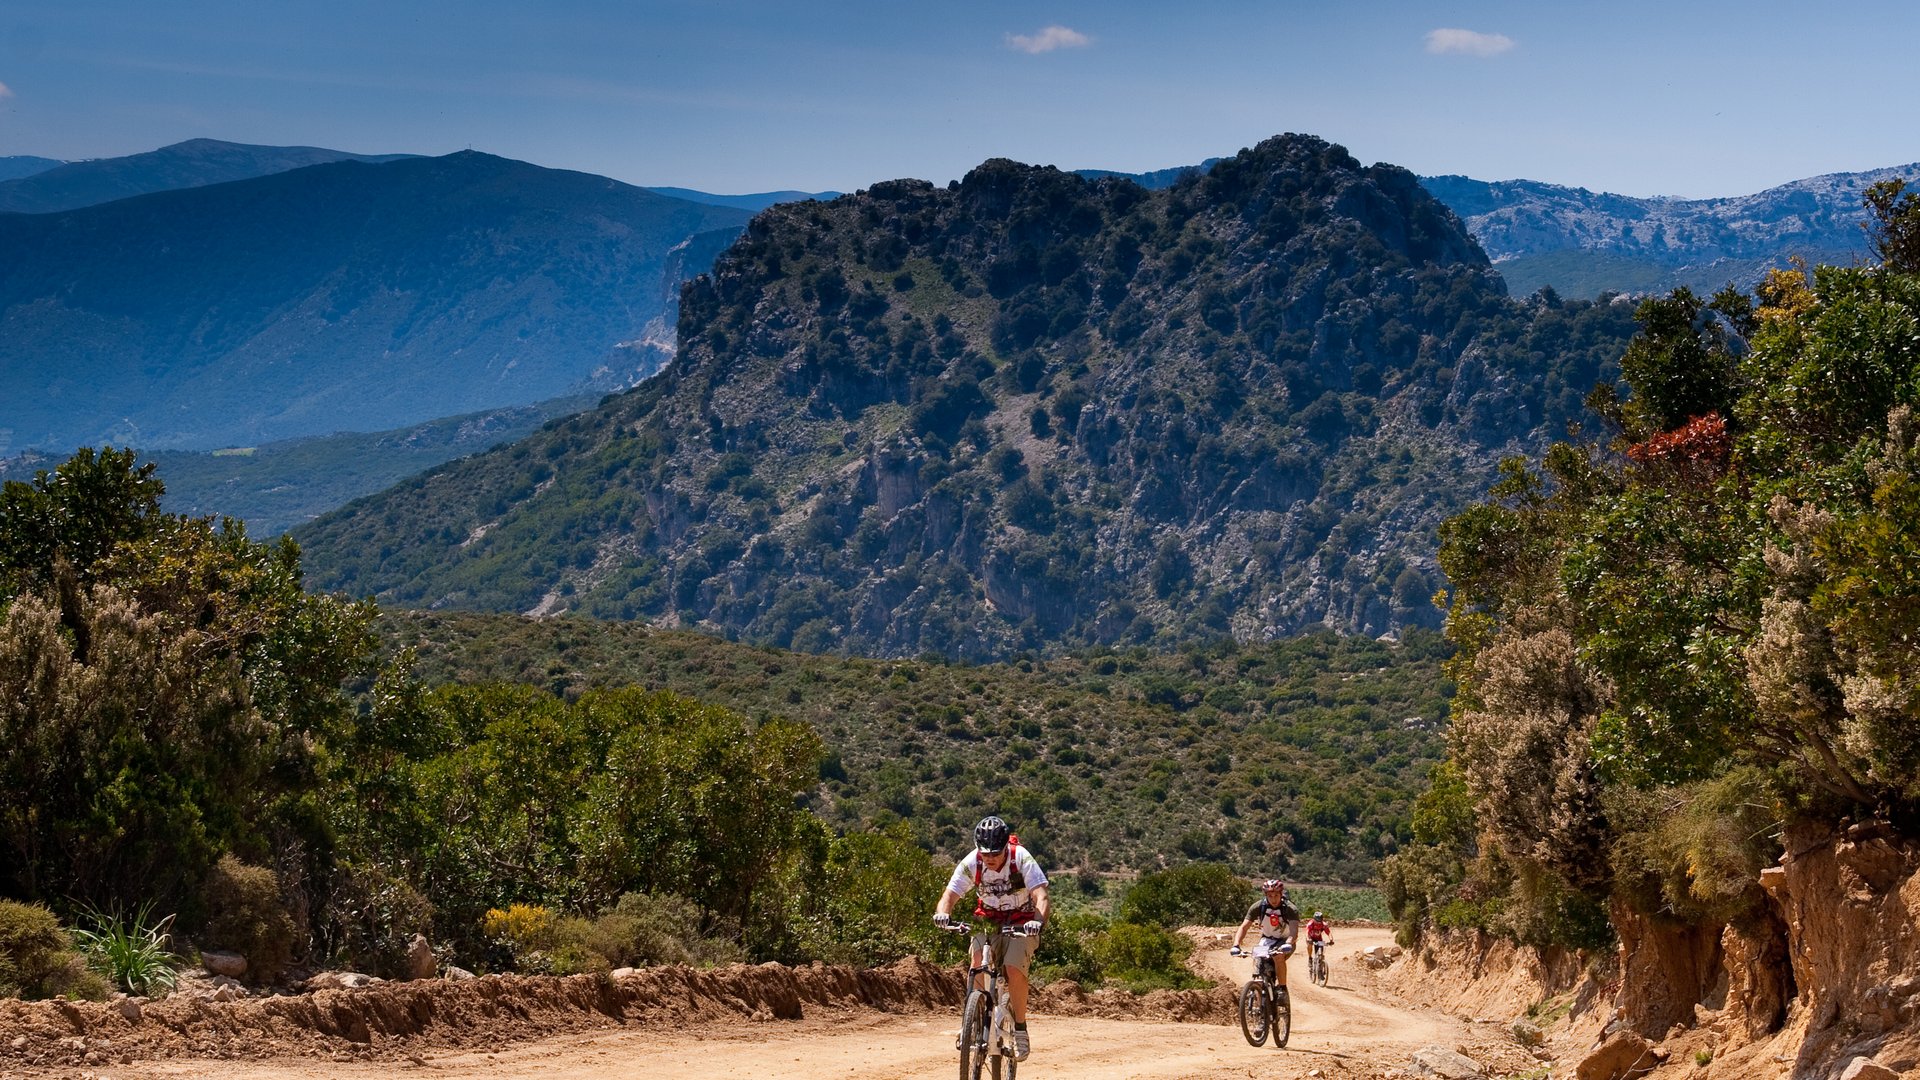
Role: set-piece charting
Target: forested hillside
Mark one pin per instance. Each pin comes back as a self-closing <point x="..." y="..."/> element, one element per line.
<point x="1026" y="410"/>
<point x="340" y="297"/>
<point x="1300" y="754"/>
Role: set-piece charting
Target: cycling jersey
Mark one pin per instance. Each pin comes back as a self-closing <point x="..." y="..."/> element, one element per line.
<point x="1272" y="919"/>
<point x="1006" y="894"/>
<point x="1317" y="929"/>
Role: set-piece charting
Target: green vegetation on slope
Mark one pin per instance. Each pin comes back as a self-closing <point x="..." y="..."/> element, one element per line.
<point x="1026" y="411"/>
<point x="1296" y="755"/>
<point x="1674" y="643"/>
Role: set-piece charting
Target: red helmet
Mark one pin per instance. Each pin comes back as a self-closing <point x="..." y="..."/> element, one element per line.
<point x="1272" y="884"/>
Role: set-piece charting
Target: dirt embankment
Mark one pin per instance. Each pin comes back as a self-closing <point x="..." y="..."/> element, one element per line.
<point x="401" y="1019"/>
<point x="1829" y="974"/>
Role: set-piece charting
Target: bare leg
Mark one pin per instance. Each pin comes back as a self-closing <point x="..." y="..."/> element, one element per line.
<point x="1017" y="994"/>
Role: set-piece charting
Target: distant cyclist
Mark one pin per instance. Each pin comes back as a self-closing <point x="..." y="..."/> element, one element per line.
<point x="1317" y="928"/>
<point x="1012" y="892"/>
<point x="1279" y="923"/>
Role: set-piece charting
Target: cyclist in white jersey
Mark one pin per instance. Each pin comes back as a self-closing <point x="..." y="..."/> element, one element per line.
<point x="1012" y="892"/>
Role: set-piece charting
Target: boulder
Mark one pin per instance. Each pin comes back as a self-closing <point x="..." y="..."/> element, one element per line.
<point x="340" y="980"/>
<point x="1622" y="1056"/>
<point x="1865" y="1068"/>
<point x="421" y="963"/>
<point x="1438" y="1061"/>
<point x="458" y="974"/>
<point x="129" y="1008"/>
<point x="230" y="964"/>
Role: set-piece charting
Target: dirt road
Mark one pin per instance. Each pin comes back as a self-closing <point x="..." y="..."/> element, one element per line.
<point x="1341" y="1030"/>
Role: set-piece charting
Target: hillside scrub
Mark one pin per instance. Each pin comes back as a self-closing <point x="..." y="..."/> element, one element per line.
<point x="1681" y="639"/>
<point x="1295" y="757"/>
<point x="188" y="752"/>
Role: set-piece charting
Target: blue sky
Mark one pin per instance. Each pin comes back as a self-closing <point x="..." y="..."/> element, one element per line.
<point x="747" y="95"/>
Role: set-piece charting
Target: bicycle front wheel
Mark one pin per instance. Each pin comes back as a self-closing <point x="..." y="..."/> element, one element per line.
<point x="973" y="1035"/>
<point x="1281" y="1017"/>
<point x="1255" y="1012"/>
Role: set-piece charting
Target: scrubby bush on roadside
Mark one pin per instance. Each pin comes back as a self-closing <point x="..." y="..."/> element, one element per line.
<point x="1142" y="958"/>
<point x="38" y="959"/>
<point x="245" y="915"/>
<point x="371" y="920"/>
<point x="1198" y="894"/>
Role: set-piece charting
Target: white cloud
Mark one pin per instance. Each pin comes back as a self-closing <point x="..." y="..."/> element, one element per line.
<point x="1049" y="39"/>
<point x="1466" y="42"/>
<point x="5" y="91"/>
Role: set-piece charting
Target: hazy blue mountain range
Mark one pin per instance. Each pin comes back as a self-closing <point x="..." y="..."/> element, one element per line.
<point x="750" y="203"/>
<point x="1583" y="243"/>
<point x="194" y="163"/>
<point x="278" y="485"/>
<point x="1152" y="181"/>
<point x="19" y="165"/>
<point x="338" y="297"/>
<point x="1026" y="410"/>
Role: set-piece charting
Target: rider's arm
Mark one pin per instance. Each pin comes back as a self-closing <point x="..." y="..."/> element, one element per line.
<point x="948" y="898"/>
<point x="1042" y="902"/>
<point x="1242" y="932"/>
<point x="1293" y="931"/>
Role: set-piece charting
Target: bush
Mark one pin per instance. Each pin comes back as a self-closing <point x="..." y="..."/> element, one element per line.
<point x="37" y="958"/>
<point x="372" y="919"/>
<point x="1068" y="947"/>
<point x="1205" y="894"/>
<point x="528" y="933"/>
<point x="244" y="914"/>
<point x="1144" y="958"/>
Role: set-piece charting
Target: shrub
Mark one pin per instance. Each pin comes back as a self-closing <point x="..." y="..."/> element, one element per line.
<point x="372" y="918"/>
<point x="131" y="951"/>
<point x="37" y="958"/>
<point x="1144" y="958"/>
<point x="526" y="932"/>
<point x="245" y="914"/>
<point x="1199" y="893"/>
<point x="642" y="929"/>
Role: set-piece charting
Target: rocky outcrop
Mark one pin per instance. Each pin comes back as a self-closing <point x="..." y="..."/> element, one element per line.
<point x="1825" y="982"/>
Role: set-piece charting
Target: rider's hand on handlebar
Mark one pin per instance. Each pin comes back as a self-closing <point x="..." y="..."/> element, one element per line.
<point x="1032" y="926"/>
<point x="1234" y="951"/>
<point x="943" y="920"/>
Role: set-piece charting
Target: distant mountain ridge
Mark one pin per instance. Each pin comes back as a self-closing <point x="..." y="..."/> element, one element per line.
<point x="337" y="297"/>
<point x="190" y="164"/>
<point x="1025" y="411"/>
<point x="1582" y="242"/>
<point x="19" y="165"/>
<point x="753" y="203"/>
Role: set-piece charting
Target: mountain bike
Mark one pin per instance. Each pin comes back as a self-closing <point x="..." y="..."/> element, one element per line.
<point x="1264" y="1008"/>
<point x="1317" y="962"/>
<point x="986" y="1018"/>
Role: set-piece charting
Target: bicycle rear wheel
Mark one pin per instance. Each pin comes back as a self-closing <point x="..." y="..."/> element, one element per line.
<point x="1256" y="1012"/>
<point x="973" y="1035"/>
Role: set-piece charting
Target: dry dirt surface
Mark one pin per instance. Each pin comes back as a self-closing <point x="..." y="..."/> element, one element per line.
<point x="818" y="1024"/>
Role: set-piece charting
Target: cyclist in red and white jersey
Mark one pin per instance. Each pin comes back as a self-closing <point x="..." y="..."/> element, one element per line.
<point x="1012" y="893"/>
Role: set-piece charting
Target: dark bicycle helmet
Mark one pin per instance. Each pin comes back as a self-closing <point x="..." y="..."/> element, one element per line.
<point x="990" y="836"/>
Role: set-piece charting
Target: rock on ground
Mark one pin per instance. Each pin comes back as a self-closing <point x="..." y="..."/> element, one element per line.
<point x="1622" y="1056"/>
<point x="1438" y="1061"/>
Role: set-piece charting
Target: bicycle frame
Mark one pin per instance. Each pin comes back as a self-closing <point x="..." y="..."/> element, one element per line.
<point x="988" y="1043"/>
